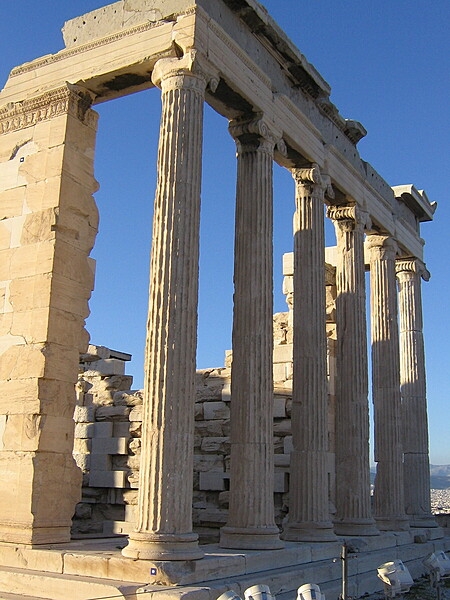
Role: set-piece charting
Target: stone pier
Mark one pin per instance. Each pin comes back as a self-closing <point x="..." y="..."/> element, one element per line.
<point x="353" y="515"/>
<point x="309" y="518"/>
<point x="164" y="529"/>
<point x="413" y="392"/>
<point x="388" y="493"/>
<point x="251" y="521"/>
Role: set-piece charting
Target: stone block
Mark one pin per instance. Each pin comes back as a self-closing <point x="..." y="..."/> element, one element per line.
<point x="82" y="445"/>
<point x="280" y="482"/>
<point x="84" y="430"/>
<point x="283" y="353"/>
<point x="279" y="372"/>
<point x="83" y="461"/>
<point x="121" y="430"/>
<point x="209" y="429"/>
<point x="131" y="513"/>
<point x="109" y="445"/>
<point x="208" y="462"/>
<point x="279" y="408"/>
<point x="136" y="414"/>
<point x="282" y="427"/>
<point x="112" y="413"/>
<point x="103" y="429"/>
<point x="226" y="392"/>
<point x="12" y="202"/>
<point x="212" y="480"/>
<point x="288" y="445"/>
<point x="5" y="235"/>
<point x="288" y="263"/>
<point x="198" y="411"/>
<point x="215" y="410"/>
<point x="128" y="398"/>
<point x="100" y="462"/>
<point x="57" y="434"/>
<point x="216" y="444"/>
<point x="282" y="460"/>
<point x="108" y="366"/>
<point x="84" y="414"/>
<point x="210" y="389"/>
<point x="108" y="479"/>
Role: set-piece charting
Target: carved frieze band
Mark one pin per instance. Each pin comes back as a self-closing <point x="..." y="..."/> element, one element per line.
<point x="192" y="71"/>
<point x="65" y="100"/>
<point x="413" y="266"/>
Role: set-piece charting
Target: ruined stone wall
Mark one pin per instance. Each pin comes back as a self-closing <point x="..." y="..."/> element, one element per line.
<point x="109" y="421"/>
<point x="107" y="440"/>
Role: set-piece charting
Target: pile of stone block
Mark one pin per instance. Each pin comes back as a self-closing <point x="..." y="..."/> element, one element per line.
<point x="108" y="423"/>
<point x="102" y="439"/>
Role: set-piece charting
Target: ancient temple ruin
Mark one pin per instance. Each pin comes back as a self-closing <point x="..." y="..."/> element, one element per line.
<point x="233" y="56"/>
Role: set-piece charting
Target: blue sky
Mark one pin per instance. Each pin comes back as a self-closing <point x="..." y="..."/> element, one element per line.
<point x="388" y="64"/>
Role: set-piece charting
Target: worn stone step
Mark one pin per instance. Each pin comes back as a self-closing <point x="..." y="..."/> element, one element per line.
<point x="51" y="586"/>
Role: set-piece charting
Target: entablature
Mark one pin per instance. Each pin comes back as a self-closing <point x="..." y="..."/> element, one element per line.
<point x="112" y="52"/>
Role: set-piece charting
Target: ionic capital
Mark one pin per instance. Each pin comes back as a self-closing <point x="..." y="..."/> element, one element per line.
<point x="349" y="217"/>
<point x="255" y="133"/>
<point x="412" y="266"/>
<point x="382" y="247"/>
<point x="313" y="180"/>
<point x="192" y="71"/>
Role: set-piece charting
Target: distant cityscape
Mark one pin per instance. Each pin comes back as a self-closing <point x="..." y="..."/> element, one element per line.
<point x="440" y="488"/>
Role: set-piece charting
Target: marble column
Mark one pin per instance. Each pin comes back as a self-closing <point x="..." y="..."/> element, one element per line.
<point x="353" y="510"/>
<point x="388" y="507"/>
<point x="164" y="528"/>
<point x="309" y="518"/>
<point x="251" y="523"/>
<point x="413" y="393"/>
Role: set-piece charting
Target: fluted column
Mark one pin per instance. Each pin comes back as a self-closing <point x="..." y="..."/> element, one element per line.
<point x="353" y="510"/>
<point x="309" y="518"/>
<point x="388" y="507"/>
<point x="164" y="528"/>
<point x="413" y="393"/>
<point x="251" y="522"/>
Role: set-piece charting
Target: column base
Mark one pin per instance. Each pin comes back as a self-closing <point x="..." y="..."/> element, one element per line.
<point x="163" y="546"/>
<point x="356" y="527"/>
<point x="250" y="538"/>
<point x="423" y="521"/>
<point x="309" y="532"/>
<point x="392" y="523"/>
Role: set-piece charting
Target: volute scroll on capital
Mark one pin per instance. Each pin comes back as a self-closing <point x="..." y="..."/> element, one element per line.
<point x="248" y="131"/>
<point x="314" y="180"/>
<point x="191" y="71"/>
<point x="351" y="215"/>
<point x="412" y="266"/>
